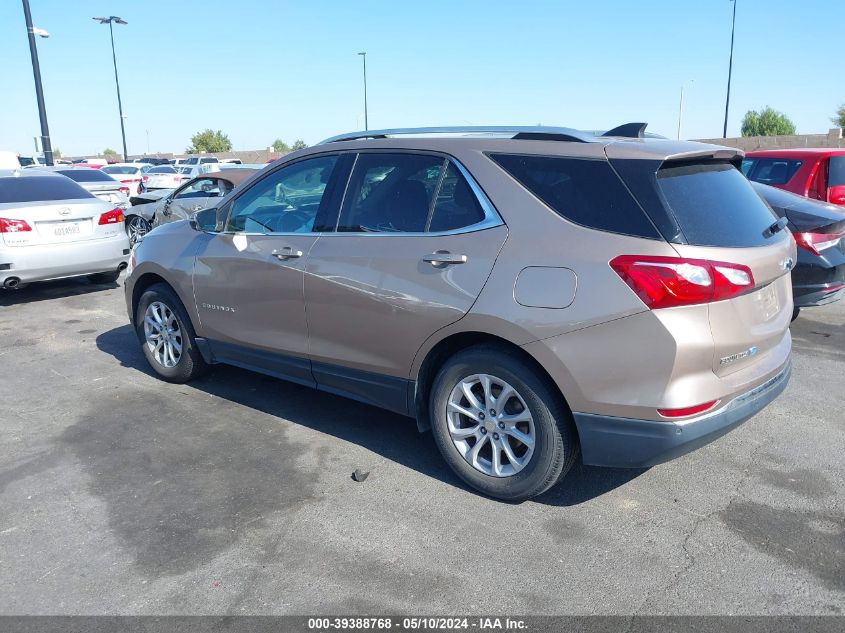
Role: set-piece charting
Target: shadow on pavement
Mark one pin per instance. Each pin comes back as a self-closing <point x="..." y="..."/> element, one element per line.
<point x="393" y="436"/>
<point x="46" y="290"/>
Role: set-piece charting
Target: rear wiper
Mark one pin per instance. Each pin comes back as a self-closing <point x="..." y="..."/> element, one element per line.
<point x="777" y="227"/>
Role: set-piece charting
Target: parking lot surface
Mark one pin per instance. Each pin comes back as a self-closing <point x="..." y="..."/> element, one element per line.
<point x="122" y="494"/>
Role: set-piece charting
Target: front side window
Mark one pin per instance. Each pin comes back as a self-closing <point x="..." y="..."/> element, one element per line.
<point x="836" y="171"/>
<point x="203" y="188"/>
<point x="286" y="201"/>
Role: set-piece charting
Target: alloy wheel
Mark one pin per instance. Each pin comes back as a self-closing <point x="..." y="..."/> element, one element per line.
<point x="163" y="334"/>
<point x="490" y="425"/>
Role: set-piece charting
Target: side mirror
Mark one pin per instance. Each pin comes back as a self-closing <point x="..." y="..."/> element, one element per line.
<point x="836" y="194"/>
<point x="204" y="220"/>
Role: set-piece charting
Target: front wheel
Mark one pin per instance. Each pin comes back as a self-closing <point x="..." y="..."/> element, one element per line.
<point x="166" y="335"/>
<point x="500" y="424"/>
<point x="136" y="228"/>
<point x="795" y="313"/>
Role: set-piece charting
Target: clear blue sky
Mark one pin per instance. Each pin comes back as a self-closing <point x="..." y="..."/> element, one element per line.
<point x="259" y="70"/>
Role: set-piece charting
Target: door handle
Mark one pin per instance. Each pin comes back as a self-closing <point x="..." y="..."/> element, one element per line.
<point x="286" y="253"/>
<point x="439" y="259"/>
<point x="197" y="207"/>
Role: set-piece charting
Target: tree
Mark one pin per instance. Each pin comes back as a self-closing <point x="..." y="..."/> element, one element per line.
<point x="57" y="153"/>
<point x="839" y="119"/>
<point x="109" y="152"/>
<point x="280" y="147"/>
<point x="209" y="141"/>
<point x="298" y="144"/>
<point x="767" y="122"/>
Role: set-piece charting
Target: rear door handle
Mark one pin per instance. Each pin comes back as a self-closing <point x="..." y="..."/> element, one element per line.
<point x="286" y="253"/>
<point x="439" y="259"/>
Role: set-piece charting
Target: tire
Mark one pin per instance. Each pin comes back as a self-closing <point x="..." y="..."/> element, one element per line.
<point x="555" y="444"/>
<point x="795" y="313"/>
<point x="104" y="278"/>
<point x="189" y="363"/>
<point x="136" y="228"/>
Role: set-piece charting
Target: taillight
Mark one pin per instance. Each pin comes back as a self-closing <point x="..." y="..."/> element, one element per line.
<point x="145" y="178"/>
<point x="665" y="282"/>
<point x="13" y="226"/>
<point x="681" y="413"/>
<point x="112" y="217"/>
<point x="817" y="242"/>
<point x="125" y="190"/>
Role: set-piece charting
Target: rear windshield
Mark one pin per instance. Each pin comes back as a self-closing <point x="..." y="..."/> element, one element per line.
<point x="584" y="191"/>
<point x="86" y="175"/>
<point x="770" y="171"/>
<point x="836" y="171"/>
<point x="121" y="170"/>
<point x="714" y="205"/>
<point x="162" y="170"/>
<point x="40" y="189"/>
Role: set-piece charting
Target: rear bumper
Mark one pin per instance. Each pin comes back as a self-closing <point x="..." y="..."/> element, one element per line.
<point x="629" y="443"/>
<point x="818" y="279"/>
<point x="55" y="261"/>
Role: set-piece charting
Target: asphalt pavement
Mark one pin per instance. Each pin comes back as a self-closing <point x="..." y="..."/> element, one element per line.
<point x="122" y="494"/>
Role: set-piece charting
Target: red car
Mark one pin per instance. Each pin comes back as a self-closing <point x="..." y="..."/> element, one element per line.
<point x="817" y="173"/>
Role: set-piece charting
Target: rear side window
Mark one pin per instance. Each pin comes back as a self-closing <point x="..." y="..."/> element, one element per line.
<point x="456" y="205"/>
<point x="390" y="193"/>
<point x="836" y="171"/>
<point x="772" y="171"/>
<point x="40" y="189"/>
<point x="584" y="191"/>
<point x="86" y="175"/>
<point x="714" y="205"/>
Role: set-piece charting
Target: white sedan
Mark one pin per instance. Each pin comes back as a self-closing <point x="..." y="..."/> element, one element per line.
<point x="130" y="174"/>
<point x="163" y="177"/>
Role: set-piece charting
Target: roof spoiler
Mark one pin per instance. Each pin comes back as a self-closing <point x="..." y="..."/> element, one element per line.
<point x="628" y="130"/>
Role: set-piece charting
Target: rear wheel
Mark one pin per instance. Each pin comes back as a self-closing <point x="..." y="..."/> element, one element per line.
<point x="136" y="228"/>
<point x="500" y="425"/>
<point x="167" y="336"/>
<point x="795" y="313"/>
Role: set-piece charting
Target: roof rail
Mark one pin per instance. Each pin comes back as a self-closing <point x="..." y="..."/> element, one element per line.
<point x="628" y="130"/>
<point x="532" y="133"/>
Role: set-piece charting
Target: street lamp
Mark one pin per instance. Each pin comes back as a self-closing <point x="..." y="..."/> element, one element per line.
<point x="366" y="122"/>
<point x="681" y="105"/>
<point x="36" y="73"/>
<point x="730" y="70"/>
<point x="116" y="20"/>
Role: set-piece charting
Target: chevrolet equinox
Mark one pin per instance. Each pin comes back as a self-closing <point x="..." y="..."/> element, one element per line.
<point x="524" y="293"/>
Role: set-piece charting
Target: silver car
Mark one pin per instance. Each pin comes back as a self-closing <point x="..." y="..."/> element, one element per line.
<point x="102" y="185"/>
<point x="51" y="228"/>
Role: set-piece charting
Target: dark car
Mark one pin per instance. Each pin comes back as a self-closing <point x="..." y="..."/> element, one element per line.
<point x="819" y="230"/>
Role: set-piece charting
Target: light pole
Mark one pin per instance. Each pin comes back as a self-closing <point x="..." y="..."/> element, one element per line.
<point x="366" y="121"/>
<point x="730" y="70"/>
<point x="39" y="92"/>
<point x="116" y="20"/>
<point x="681" y="105"/>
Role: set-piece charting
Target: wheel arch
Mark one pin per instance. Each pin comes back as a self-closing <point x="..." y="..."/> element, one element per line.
<point x="448" y="347"/>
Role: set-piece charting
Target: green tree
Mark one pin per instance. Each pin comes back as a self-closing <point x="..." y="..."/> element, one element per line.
<point x="839" y="119"/>
<point x="109" y="152"/>
<point x="209" y="141"/>
<point x="767" y="122"/>
<point x="280" y="147"/>
<point x="298" y="144"/>
<point x="57" y="153"/>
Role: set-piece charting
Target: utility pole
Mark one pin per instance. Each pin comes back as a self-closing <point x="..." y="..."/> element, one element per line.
<point x="110" y="21"/>
<point x="39" y="92"/>
<point x="730" y="70"/>
<point x="366" y="122"/>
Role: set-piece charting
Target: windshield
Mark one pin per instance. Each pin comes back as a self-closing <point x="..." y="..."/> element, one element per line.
<point x="122" y="169"/>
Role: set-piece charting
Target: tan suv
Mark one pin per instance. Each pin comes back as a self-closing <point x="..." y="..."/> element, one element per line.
<point x="522" y="292"/>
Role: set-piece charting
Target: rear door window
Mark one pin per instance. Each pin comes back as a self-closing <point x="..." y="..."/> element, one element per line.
<point x="40" y="189"/>
<point x="456" y="205"/>
<point x="390" y="193"/>
<point x="584" y="191"/>
<point x="773" y="171"/>
<point x="714" y="205"/>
